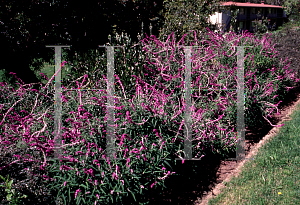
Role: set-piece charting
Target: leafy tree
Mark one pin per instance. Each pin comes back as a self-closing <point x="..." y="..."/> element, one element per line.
<point x="233" y="22"/>
<point x="261" y="25"/>
<point x="183" y="16"/>
<point x="28" y="26"/>
<point x="292" y="7"/>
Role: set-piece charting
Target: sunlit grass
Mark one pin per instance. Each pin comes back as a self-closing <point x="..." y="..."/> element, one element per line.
<point x="273" y="176"/>
<point x="49" y="70"/>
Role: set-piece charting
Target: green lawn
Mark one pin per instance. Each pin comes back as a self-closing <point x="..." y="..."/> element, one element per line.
<point x="273" y="177"/>
<point x="49" y="70"/>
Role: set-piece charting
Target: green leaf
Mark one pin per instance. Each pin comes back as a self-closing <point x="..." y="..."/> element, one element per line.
<point x="64" y="198"/>
<point x="2" y="178"/>
<point x="83" y="186"/>
<point x="8" y="197"/>
<point x="6" y="182"/>
<point x="133" y="196"/>
<point x="78" y="198"/>
<point x="167" y="163"/>
<point x="69" y="193"/>
<point x="10" y="183"/>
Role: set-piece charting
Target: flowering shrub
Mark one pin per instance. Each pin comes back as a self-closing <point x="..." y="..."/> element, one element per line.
<point x="149" y="123"/>
<point x="127" y="62"/>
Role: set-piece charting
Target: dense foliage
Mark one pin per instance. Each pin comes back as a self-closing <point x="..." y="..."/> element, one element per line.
<point x="26" y="27"/>
<point x="149" y="117"/>
<point x="184" y="16"/>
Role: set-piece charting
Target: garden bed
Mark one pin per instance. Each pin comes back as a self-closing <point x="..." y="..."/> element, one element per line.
<point x="197" y="177"/>
<point x="212" y="171"/>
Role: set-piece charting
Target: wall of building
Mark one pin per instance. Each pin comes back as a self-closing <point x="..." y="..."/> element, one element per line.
<point x="220" y="18"/>
<point x="246" y="19"/>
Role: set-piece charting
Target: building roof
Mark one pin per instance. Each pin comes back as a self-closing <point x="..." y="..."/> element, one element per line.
<point x="240" y="4"/>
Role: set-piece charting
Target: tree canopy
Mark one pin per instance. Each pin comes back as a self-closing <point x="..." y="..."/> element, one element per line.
<point x="28" y="26"/>
<point x="183" y="16"/>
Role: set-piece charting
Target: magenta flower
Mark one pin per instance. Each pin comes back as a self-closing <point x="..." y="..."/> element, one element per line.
<point x="64" y="167"/>
<point x="153" y="184"/>
<point x="145" y="159"/>
<point x="128" y="160"/>
<point x="90" y="171"/>
<point x="122" y="181"/>
<point x="63" y="63"/>
<point x="76" y="192"/>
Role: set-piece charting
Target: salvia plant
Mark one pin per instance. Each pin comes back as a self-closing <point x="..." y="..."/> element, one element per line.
<point x="149" y="124"/>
